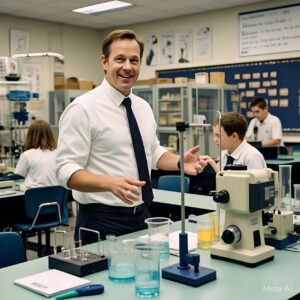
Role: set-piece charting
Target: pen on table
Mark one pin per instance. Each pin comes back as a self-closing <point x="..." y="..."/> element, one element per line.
<point x="93" y="289"/>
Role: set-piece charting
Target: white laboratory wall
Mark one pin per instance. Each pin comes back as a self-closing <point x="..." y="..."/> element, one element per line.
<point x="225" y="36"/>
<point x="80" y="46"/>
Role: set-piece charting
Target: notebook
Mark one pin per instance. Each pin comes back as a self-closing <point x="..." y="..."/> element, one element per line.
<point x="7" y="192"/>
<point x="51" y="282"/>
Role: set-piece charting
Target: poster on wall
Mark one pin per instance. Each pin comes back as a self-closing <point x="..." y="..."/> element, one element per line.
<point x="167" y="48"/>
<point x="19" y="42"/>
<point x="203" y="46"/>
<point x="270" y="30"/>
<point x="185" y="46"/>
<point x="151" y="50"/>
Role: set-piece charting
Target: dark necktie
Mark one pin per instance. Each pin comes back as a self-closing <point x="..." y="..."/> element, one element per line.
<point x="229" y="160"/>
<point x="139" y="152"/>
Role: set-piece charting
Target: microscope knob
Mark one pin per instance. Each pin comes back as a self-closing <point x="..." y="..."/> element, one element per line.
<point x="222" y="196"/>
<point x="231" y="235"/>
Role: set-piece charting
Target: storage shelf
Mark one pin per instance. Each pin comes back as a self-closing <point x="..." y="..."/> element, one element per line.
<point x="14" y="82"/>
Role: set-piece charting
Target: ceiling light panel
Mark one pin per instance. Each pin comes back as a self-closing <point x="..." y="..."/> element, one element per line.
<point x="103" y="7"/>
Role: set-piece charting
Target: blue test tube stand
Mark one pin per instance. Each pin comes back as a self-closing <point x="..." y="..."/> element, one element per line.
<point x="188" y="271"/>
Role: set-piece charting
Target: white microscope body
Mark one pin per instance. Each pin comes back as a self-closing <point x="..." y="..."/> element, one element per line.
<point x="243" y="195"/>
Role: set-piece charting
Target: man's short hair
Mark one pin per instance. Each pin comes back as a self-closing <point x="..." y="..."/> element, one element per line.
<point x="233" y="122"/>
<point x="120" y="34"/>
<point x="259" y="101"/>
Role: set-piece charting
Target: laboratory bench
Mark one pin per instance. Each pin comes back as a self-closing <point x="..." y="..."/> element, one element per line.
<point x="274" y="280"/>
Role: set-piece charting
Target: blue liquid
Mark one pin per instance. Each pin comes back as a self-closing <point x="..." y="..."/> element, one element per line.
<point x="164" y="252"/>
<point x="121" y="272"/>
<point x="147" y="284"/>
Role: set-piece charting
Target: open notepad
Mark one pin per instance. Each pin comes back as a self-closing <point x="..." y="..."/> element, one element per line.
<point x="174" y="242"/>
<point x="51" y="282"/>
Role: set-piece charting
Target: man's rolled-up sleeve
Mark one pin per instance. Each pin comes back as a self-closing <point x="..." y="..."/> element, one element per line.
<point x="73" y="143"/>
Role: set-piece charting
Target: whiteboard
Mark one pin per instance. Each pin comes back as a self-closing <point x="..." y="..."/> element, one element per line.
<point x="269" y="31"/>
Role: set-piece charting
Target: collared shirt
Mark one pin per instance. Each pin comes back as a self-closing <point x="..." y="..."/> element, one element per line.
<point x="245" y="154"/>
<point x="38" y="168"/>
<point x="269" y="129"/>
<point x="94" y="135"/>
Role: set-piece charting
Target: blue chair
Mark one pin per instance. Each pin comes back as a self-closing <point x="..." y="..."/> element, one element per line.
<point x="172" y="183"/>
<point x="45" y="208"/>
<point x="12" y="250"/>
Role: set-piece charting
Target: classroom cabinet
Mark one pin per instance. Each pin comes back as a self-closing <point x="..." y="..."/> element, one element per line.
<point x="146" y="92"/>
<point x="181" y="102"/>
<point x="58" y="101"/>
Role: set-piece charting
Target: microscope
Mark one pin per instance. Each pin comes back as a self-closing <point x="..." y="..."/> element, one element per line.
<point x="243" y="195"/>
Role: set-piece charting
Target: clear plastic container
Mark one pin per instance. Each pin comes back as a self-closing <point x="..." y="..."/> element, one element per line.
<point x="158" y="233"/>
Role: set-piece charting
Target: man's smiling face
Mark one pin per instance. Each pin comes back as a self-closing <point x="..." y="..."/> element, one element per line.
<point x="123" y="64"/>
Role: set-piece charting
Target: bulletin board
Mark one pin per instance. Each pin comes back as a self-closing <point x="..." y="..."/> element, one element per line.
<point x="277" y="81"/>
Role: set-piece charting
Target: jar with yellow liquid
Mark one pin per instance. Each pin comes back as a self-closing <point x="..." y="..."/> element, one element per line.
<point x="206" y="230"/>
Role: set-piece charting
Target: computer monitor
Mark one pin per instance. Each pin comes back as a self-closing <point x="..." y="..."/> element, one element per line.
<point x="270" y="152"/>
<point x="255" y="143"/>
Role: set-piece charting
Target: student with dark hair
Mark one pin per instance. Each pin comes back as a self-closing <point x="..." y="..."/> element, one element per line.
<point x="235" y="149"/>
<point x="37" y="162"/>
<point x="264" y="127"/>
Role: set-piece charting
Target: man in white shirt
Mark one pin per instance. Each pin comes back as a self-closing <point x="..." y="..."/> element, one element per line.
<point x="96" y="154"/>
<point x="265" y="127"/>
<point x="235" y="149"/>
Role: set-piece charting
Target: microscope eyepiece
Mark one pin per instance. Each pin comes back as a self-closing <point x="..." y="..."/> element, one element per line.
<point x="221" y="197"/>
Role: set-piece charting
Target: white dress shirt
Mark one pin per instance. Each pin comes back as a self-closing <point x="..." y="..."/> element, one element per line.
<point x="245" y="154"/>
<point x="269" y="129"/>
<point x="38" y="168"/>
<point x="94" y="135"/>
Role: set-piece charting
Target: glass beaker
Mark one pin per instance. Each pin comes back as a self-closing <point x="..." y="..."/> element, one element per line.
<point x="206" y="230"/>
<point x="297" y="204"/>
<point x="285" y="194"/>
<point x="158" y="232"/>
<point x="147" y="270"/>
<point x="121" y="261"/>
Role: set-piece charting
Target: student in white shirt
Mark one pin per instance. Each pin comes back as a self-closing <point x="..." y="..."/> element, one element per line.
<point x="264" y="127"/>
<point x="233" y="144"/>
<point x="96" y="157"/>
<point x="37" y="162"/>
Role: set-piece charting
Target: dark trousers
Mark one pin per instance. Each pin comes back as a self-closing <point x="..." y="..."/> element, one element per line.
<point x="109" y="220"/>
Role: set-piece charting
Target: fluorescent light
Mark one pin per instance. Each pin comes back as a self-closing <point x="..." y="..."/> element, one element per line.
<point x="103" y="7"/>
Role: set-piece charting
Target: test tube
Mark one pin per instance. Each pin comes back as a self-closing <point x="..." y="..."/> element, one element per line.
<point x="75" y="250"/>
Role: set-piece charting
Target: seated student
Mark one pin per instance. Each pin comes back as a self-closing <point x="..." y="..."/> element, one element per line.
<point x="264" y="127"/>
<point x="235" y="149"/>
<point x="37" y="162"/>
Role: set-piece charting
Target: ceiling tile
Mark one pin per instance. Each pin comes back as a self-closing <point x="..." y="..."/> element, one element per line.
<point x="144" y="10"/>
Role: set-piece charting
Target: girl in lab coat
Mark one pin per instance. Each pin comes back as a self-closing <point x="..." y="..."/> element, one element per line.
<point x="37" y="162"/>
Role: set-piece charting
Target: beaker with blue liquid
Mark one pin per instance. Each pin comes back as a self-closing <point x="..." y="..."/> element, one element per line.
<point x="121" y="261"/>
<point x="147" y="270"/>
